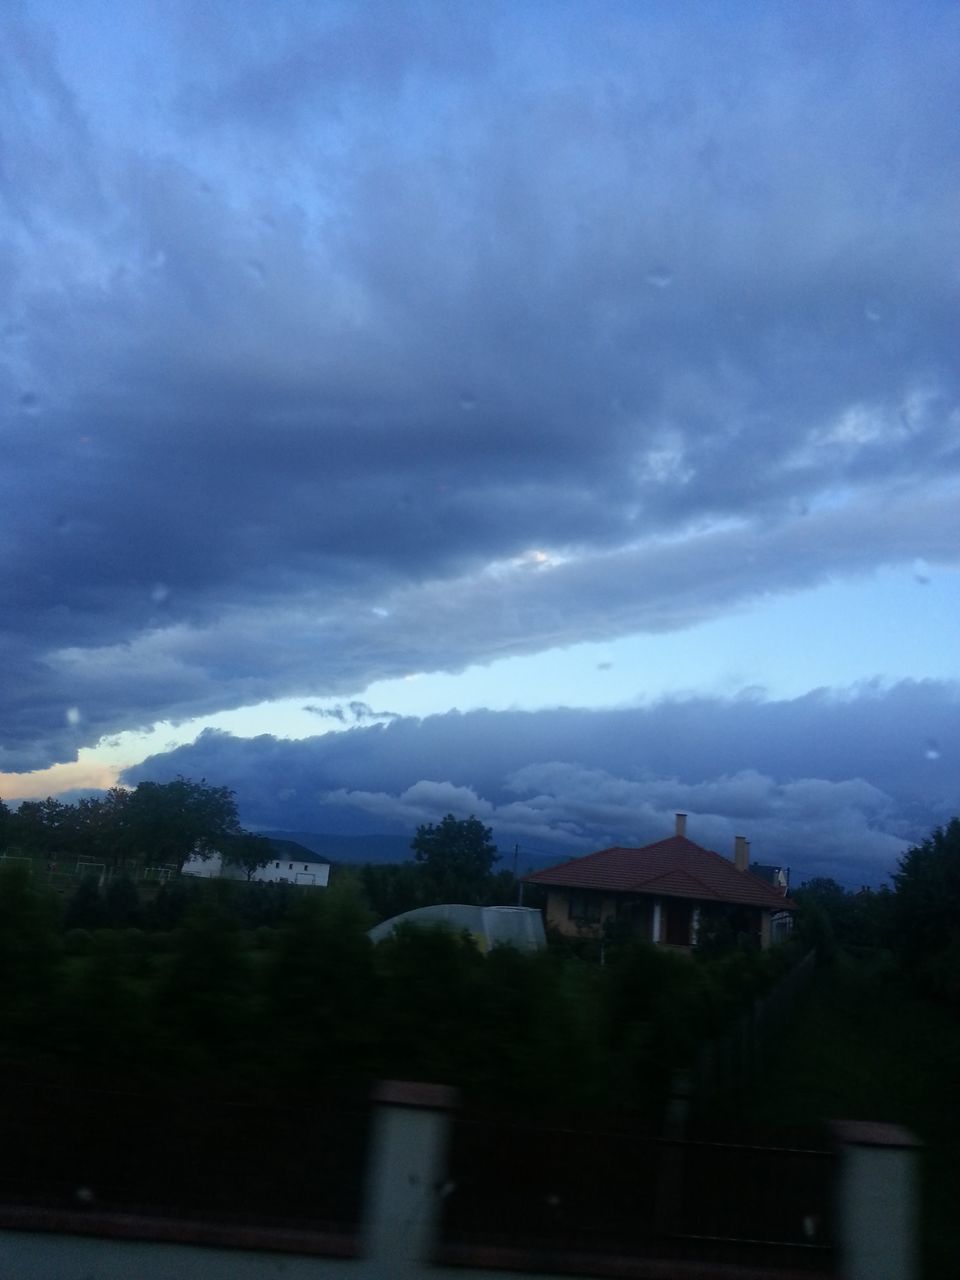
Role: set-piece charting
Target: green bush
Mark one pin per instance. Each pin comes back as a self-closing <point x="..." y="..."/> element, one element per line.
<point x="78" y="942"/>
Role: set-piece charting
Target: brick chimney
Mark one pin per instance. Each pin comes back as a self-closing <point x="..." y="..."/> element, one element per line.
<point x="741" y="853"/>
<point x="681" y="827"/>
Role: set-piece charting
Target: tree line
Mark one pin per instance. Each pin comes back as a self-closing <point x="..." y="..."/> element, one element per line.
<point x="154" y="824"/>
<point x="917" y="920"/>
<point x="231" y="986"/>
<point x="170" y="1018"/>
<point x="195" y="1045"/>
<point x="454" y="861"/>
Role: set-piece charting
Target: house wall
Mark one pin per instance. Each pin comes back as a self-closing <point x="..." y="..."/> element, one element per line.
<point x="765" y="931"/>
<point x="277" y="871"/>
<point x="205" y="868"/>
<point x="648" y="916"/>
<point x="753" y="922"/>
<point x="645" y="914"/>
<point x="781" y="926"/>
<point x="290" y="871"/>
<point x="558" y="914"/>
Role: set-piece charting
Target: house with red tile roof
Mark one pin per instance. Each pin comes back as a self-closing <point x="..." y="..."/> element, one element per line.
<point x="665" y="892"/>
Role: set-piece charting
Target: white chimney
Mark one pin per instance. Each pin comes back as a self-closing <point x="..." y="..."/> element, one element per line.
<point x="741" y="853"/>
<point x="681" y="828"/>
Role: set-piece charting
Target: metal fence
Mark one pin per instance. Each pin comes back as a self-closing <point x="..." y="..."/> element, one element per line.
<point x="613" y="1191"/>
<point x="578" y="1187"/>
<point x="298" y="1161"/>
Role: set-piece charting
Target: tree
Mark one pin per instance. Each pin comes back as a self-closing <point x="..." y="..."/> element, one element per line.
<point x="249" y="852"/>
<point x="393" y="888"/>
<point x="86" y="908"/>
<point x="6" y="825"/>
<point x="104" y="824"/>
<point x="927" y="910"/>
<point x="167" y="821"/>
<point x="201" y="1004"/>
<point x="29" y="961"/>
<point x="832" y="916"/>
<point x="457" y="856"/>
<point x="319" y="988"/>
<point x="122" y="903"/>
<point x="46" y="826"/>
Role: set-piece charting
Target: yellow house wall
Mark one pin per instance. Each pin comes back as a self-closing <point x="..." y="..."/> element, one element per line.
<point x="765" y="929"/>
<point x="558" y="915"/>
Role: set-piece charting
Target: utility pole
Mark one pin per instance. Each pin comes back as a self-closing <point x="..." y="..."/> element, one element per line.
<point x="516" y="856"/>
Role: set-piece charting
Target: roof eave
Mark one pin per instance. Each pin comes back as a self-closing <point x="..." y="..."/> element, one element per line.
<point x="778" y="904"/>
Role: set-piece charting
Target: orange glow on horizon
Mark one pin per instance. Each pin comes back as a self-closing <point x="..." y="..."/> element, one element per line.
<point x="58" y="777"/>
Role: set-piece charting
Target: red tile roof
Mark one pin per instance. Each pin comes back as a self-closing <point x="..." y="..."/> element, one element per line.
<point x="672" y="868"/>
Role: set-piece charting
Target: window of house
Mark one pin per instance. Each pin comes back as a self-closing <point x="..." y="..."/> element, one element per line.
<point x="678" y="923"/>
<point x="584" y="908"/>
<point x="277" y="865"/>
<point x="290" y="867"/>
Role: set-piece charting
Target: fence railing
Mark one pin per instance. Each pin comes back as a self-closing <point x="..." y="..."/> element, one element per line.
<point x="442" y="1191"/>
<point x="299" y="1160"/>
<point x="594" y="1190"/>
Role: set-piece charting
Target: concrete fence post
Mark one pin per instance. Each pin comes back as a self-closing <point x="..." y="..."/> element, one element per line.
<point x="877" y="1201"/>
<point x="405" y="1175"/>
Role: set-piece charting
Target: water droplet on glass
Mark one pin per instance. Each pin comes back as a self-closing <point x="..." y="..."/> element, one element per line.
<point x="872" y="313"/>
<point x="659" y="278"/>
<point x="932" y="749"/>
<point x="257" y="270"/>
<point x="380" y="612"/>
<point x="73" y="715"/>
<point x="30" y="402"/>
<point x="468" y="403"/>
<point x="921" y="572"/>
<point x="159" y="592"/>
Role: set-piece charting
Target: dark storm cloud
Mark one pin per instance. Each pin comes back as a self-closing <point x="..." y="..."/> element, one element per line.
<point x="348" y="309"/>
<point x="830" y="784"/>
<point x="353" y="712"/>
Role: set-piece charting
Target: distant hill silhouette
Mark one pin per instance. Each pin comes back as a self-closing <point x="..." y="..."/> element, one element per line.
<point x="350" y="849"/>
<point x="296" y="849"/>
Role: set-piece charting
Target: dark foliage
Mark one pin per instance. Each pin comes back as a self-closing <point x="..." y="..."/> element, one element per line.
<point x="30" y="963"/>
<point x="159" y="823"/>
<point x="832" y="917"/>
<point x="252" y="986"/>
<point x="928" y="912"/>
<point x="457" y="856"/>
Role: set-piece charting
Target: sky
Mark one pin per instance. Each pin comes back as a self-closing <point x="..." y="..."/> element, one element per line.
<point x="542" y="411"/>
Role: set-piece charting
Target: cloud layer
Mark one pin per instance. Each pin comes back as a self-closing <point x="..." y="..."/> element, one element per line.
<point x="828" y="784"/>
<point x="350" y="341"/>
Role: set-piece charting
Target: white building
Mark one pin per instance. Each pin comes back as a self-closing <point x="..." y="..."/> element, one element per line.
<point x="520" y="927"/>
<point x="291" y="864"/>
